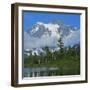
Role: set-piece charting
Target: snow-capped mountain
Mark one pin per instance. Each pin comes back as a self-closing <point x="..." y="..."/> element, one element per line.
<point x="41" y="29"/>
<point x="48" y="34"/>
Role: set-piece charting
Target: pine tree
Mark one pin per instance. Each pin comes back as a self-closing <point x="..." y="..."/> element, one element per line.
<point x="30" y="52"/>
<point x="35" y="58"/>
<point x="61" y="44"/>
<point x="48" y="54"/>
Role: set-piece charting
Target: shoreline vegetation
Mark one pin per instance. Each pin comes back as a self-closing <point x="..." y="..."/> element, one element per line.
<point x="67" y="59"/>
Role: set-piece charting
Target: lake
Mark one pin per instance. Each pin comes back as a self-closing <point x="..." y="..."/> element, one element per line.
<point x="40" y="71"/>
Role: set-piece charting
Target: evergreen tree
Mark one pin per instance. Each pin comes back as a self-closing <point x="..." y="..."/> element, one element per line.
<point x="41" y="57"/>
<point x="61" y="46"/>
<point x="48" y="55"/>
<point x="35" y="58"/>
<point x="30" y="52"/>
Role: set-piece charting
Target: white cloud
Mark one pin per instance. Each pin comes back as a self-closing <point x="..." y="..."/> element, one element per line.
<point x="50" y="40"/>
<point x="72" y="38"/>
<point x="32" y="42"/>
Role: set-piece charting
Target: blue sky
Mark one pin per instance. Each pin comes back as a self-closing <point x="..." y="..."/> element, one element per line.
<point x="30" y="18"/>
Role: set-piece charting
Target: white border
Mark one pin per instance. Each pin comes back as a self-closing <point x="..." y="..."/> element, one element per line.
<point x="53" y="78"/>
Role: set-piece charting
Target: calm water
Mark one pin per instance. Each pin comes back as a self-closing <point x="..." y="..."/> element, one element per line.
<point x="43" y="71"/>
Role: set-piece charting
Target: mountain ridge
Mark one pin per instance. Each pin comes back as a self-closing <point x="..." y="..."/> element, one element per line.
<point x="48" y="34"/>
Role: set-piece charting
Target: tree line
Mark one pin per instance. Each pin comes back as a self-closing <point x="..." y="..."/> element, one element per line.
<point x="53" y="58"/>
